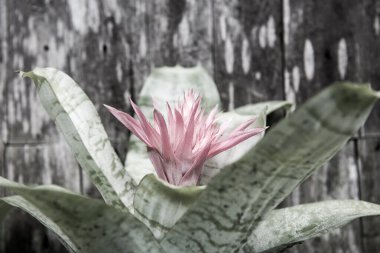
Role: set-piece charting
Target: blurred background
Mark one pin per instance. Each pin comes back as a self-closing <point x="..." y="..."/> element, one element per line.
<point x="255" y="50"/>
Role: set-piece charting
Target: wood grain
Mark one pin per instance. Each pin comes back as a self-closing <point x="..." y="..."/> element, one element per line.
<point x="247" y="51"/>
<point x="369" y="142"/>
<point x="324" y="43"/>
<point x="168" y="33"/>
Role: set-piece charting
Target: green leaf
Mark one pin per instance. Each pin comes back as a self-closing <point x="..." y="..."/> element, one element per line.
<point x="166" y="84"/>
<point x="159" y="204"/>
<point x="84" y="225"/>
<point x="284" y="227"/>
<point x="78" y="120"/>
<point x="229" y="209"/>
<point x="269" y="106"/>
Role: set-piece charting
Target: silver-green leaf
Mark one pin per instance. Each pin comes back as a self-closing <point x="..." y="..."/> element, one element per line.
<point x="160" y="205"/>
<point x="226" y="213"/>
<point x="269" y="106"/>
<point x="84" y="225"/>
<point x="78" y="120"/>
<point x="286" y="226"/>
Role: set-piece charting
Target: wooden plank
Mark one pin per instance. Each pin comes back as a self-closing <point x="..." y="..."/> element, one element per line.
<point x="88" y="40"/>
<point x="248" y="51"/>
<point x="323" y="44"/>
<point x="369" y="145"/>
<point x="370" y="176"/>
<point x="169" y="33"/>
<point x="3" y="102"/>
<point x="3" y="68"/>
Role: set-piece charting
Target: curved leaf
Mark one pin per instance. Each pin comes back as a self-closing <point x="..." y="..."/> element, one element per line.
<point x="269" y="106"/>
<point x="284" y="227"/>
<point x="166" y="84"/>
<point x="78" y="120"/>
<point x="159" y="205"/>
<point x="84" y="225"/>
<point x="226" y="213"/>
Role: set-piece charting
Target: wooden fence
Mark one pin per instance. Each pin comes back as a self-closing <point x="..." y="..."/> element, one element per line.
<point x="255" y="50"/>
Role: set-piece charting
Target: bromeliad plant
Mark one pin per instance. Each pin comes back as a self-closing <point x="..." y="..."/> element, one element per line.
<point x="193" y="181"/>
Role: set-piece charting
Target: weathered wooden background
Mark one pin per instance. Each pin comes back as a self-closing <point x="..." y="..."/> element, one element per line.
<point x="256" y="50"/>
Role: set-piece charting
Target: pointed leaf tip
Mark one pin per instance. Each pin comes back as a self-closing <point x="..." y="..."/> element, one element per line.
<point x="77" y="118"/>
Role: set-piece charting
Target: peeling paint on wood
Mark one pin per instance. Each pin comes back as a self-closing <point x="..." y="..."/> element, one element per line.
<point x="245" y="56"/>
<point x="342" y="58"/>
<point x="271" y="32"/>
<point x="250" y="31"/>
<point x="308" y="60"/>
<point x="229" y="55"/>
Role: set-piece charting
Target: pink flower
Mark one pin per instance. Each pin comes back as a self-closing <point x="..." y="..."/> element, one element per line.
<point x="179" y="146"/>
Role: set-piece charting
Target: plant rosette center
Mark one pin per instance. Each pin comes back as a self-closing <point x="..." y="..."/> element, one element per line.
<point x="179" y="146"/>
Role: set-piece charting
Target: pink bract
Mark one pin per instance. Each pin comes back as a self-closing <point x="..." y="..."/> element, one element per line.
<point x="179" y="146"/>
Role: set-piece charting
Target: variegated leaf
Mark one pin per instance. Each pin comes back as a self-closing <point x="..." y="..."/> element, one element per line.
<point x="159" y="204"/>
<point x="284" y="227"/>
<point x="78" y="120"/>
<point x="83" y="225"/>
<point x="229" y="209"/>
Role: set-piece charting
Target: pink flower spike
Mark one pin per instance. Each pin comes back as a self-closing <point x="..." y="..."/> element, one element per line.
<point x="179" y="146"/>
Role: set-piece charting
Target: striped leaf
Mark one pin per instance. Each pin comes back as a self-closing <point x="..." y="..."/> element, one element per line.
<point x="78" y="120"/>
<point x="283" y="227"/>
<point x="83" y="225"/>
<point x="166" y="84"/>
<point x="229" y="209"/>
<point x="159" y="204"/>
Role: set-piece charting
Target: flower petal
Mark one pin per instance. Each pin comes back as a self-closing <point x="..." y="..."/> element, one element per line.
<point x="156" y="159"/>
<point x="130" y="123"/>
<point x="166" y="149"/>
<point x="150" y="132"/>
<point x="192" y="176"/>
<point x="233" y="141"/>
